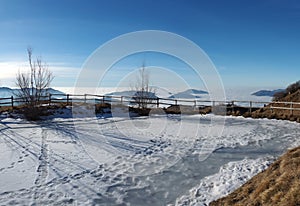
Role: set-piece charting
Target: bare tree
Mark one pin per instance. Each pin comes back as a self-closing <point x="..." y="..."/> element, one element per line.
<point x="33" y="84"/>
<point x="144" y="94"/>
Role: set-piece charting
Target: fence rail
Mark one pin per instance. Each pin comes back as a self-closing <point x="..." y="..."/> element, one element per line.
<point x="158" y="102"/>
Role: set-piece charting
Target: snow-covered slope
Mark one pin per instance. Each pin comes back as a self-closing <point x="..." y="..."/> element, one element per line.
<point x="153" y="160"/>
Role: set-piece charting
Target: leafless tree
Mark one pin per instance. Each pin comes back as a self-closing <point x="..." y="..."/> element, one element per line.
<point x="144" y="94"/>
<point x="33" y="84"/>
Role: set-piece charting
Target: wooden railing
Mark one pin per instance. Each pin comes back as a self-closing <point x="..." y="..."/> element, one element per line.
<point x="291" y="106"/>
<point x="155" y="102"/>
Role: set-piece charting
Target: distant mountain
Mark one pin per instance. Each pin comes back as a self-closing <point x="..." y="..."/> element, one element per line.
<point x="189" y="94"/>
<point x="130" y="93"/>
<point x="266" y="93"/>
<point x="8" y="92"/>
<point x="123" y="93"/>
<point x="54" y="91"/>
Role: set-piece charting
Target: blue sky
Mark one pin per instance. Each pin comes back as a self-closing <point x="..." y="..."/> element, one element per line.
<point x="251" y="43"/>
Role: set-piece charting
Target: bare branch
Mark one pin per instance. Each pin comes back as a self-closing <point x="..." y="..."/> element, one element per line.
<point x="33" y="85"/>
<point x="144" y="93"/>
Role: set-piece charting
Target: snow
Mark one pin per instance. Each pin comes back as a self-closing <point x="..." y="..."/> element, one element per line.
<point x="230" y="177"/>
<point x="74" y="158"/>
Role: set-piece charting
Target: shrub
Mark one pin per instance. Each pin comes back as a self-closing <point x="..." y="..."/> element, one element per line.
<point x="293" y="87"/>
<point x="33" y="86"/>
<point x="289" y="90"/>
<point x="279" y="95"/>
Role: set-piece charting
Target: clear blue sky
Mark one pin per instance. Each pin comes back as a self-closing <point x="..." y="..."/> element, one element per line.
<point x="252" y="43"/>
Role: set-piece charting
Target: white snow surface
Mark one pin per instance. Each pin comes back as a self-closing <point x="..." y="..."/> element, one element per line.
<point x="156" y="160"/>
<point x="230" y="177"/>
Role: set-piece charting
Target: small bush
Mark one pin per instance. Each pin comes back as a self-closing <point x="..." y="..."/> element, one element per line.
<point x="33" y="113"/>
<point x="289" y="90"/>
<point x="293" y="87"/>
<point x="279" y="95"/>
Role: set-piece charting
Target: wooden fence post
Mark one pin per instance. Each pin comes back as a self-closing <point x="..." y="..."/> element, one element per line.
<point x="49" y="101"/>
<point x="195" y="103"/>
<point x="84" y="98"/>
<point x="250" y="108"/>
<point x="157" y="102"/>
<point x="12" y="101"/>
<point x="175" y="101"/>
<point x="232" y="106"/>
<point x="68" y="98"/>
<point x="291" y="109"/>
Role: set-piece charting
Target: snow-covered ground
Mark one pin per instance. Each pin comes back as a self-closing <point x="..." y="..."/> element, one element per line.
<point x="156" y="160"/>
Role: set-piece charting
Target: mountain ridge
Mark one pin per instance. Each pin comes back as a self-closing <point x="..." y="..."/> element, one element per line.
<point x="267" y="93"/>
<point x="189" y="94"/>
<point x="6" y="92"/>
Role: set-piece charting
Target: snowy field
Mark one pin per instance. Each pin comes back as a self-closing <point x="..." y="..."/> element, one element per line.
<point x="156" y="160"/>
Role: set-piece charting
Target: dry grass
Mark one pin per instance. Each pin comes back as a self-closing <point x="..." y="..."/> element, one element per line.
<point x="5" y="109"/>
<point x="278" y="185"/>
<point x="267" y="112"/>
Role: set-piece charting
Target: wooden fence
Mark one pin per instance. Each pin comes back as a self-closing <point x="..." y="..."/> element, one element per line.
<point x="291" y="106"/>
<point x="152" y="102"/>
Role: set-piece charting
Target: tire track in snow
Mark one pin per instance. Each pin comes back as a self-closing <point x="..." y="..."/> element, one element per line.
<point x="43" y="168"/>
<point x="19" y="146"/>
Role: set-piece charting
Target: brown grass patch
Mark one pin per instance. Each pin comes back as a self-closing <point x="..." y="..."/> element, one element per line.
<point x="278" y="185"/>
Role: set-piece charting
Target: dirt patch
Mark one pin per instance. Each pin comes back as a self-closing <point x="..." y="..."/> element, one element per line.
<point x="181" y="109"/>
<point x="273" y="113"/>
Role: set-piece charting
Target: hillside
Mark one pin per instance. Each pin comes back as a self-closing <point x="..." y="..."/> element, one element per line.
<point x="292" y="97"/>
<point x="278" y="185"/>
<point x="290" y="94"/>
